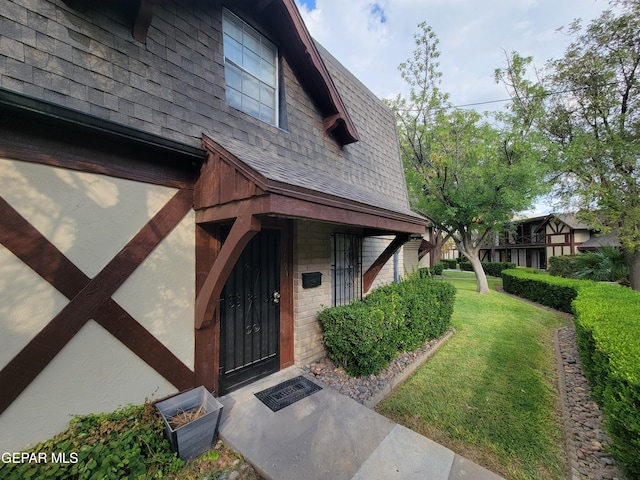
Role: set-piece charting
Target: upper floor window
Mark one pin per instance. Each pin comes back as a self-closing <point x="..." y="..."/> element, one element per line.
<point x="251" y="70"/>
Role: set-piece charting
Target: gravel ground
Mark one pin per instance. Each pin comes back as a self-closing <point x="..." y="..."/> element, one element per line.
<point x="364" y="389"/>
<point x="586" y="442"/>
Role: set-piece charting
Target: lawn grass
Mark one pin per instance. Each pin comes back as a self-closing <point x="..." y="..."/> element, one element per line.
<point x="489" y="393"/>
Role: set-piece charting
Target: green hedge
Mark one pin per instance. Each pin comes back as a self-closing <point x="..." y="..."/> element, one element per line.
<point x="607" y="319"/>
<point x="450" y="263"/>
<point x="563" y="265"/>
<point x="437" y="269"/>
<point x="554" y="292"/>
<point x="366" y="335"/>
<point x="490" y="268"/>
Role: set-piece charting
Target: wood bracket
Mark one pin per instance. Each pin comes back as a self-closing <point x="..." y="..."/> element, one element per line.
<point x="371" y="274"/>
<point x="244" y="228"/>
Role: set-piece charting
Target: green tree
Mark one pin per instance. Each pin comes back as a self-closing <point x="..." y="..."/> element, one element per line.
<point x="587" y="105"/>
<point x="468" y="176"/>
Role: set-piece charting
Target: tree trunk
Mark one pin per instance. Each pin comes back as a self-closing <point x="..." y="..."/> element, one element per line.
<point x="481" y="278"/>
<point x="438" y="243"/>
<point x="633" y="262"/>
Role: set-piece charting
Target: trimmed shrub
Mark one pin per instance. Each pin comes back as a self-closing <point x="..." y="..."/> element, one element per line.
<point x="562" y="266"/>
<point x="554" y="292"/>
<point x="437" y="269"/>
<point x="364" y="336"/>
<point x="493" y="269"/>
<point x="465" y="266"/>
<point x="449" y="263"/>
<point x="607" y="320"/>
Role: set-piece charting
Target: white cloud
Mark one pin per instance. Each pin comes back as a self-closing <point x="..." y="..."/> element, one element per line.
<point x="372" y="37"/>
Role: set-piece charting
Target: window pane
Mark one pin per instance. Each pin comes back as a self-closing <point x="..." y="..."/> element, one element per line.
<point x="268" y="96"/>
<point x="234" y="98"/>
<point x="232" y="26"/>
<point x="251" y="39"/>
<point x="267" y="73"/>
<point x="233" y="50"/>
<point x="267" y="114"/>
<point x="250" y="70"/>
<point x="251" y="62"/>
<point x="251" y="106"/>
<point x="233" y="76"/>
<point x="250" y="86"/>
<point x="268" y="53"/>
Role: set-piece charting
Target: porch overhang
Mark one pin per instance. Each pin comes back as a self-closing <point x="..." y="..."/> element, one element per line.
<point x="230" y="191"/>
<point x="228" y="188"/>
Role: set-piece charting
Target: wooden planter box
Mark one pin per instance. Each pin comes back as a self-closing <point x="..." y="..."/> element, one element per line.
<point x="198" y="436"/>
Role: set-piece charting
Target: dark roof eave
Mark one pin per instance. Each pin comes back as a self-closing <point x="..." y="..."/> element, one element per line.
<point x="43" y="111"/>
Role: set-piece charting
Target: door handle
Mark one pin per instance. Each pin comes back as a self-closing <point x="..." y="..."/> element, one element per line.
<point x="276" y="297"/>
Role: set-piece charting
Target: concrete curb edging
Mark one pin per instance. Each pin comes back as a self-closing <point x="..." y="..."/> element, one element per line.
<point x="407" y="372"/>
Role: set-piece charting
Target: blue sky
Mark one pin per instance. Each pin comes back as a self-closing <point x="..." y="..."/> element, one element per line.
<point x="371" y="38"/>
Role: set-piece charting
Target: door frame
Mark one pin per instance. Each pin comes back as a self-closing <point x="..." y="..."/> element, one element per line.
<point x="207" y="340"/>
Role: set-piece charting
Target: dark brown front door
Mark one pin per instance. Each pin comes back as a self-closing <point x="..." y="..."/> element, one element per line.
<point x="250" y="314"/>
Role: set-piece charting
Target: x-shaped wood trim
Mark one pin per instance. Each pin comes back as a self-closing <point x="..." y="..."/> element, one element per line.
<point x="89" y="298"/>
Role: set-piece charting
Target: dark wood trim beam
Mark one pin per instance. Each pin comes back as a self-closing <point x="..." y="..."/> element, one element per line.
<point x="88" y="296"/>
<point x="348" y="214"/>
<point x="243" y="229"/>
<point x="371" y="274"/>
<point x="117" y="321"/>
<point x="207" y="343"/>
<point x="229" y="211"/>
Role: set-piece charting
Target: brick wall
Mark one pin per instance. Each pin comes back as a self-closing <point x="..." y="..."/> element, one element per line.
<point x="313" y="254"/>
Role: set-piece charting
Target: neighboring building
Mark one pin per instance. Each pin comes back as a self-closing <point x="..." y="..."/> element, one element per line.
<point x="533" y="241"/>
<point x="183" y="186"/>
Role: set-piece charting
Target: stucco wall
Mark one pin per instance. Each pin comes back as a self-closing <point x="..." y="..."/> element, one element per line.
<point x="90" y="218"/>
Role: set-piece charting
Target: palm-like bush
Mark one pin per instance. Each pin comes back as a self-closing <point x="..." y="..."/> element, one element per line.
<point x="607" y="264"/>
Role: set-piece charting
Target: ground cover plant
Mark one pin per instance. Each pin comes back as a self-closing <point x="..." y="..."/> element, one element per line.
<point x="489" y="393"/>
<point x="128" y="443"/>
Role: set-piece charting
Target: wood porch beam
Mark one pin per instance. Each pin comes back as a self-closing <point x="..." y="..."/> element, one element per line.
<point x="371" y="274"/>
<point x="244" y="228"/>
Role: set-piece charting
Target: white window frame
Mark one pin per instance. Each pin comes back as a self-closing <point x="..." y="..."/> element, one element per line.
<point x="238" y="67"/>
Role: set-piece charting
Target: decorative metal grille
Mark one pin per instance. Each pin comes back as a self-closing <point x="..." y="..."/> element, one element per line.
<point x="346" y="268"/>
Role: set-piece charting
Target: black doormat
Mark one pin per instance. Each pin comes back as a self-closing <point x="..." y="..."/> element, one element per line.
<point x="287" y="392"/>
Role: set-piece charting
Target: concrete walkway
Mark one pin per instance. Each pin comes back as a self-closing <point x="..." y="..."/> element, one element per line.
<point x="330" y="436"/>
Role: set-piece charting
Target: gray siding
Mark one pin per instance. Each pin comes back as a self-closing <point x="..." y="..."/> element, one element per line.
<point x="174" y="87"/>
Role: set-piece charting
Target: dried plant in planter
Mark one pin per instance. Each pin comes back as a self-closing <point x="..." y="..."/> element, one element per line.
<point x="182" y="417"/>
